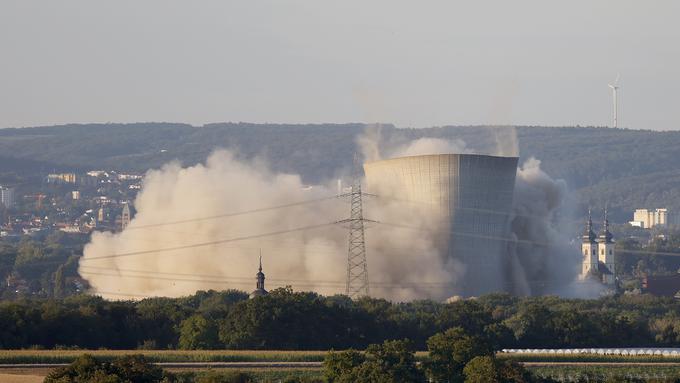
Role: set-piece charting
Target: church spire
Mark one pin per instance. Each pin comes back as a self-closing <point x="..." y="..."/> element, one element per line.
<point x="605" y="235"/>
<point x="259" y="290"/>
<point x="589" y="235"/>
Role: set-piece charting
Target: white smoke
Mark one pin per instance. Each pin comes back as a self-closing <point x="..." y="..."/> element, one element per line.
<point x="427" y="145"/>
<point x="222" y="252"/>
<point x="128" y="264"/>
<point x="506" y="141"/>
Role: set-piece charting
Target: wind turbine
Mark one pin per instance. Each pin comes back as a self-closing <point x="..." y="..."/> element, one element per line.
<point x="615" y="90"/>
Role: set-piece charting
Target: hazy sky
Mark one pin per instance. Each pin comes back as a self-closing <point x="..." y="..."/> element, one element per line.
<point x="413" y="63"/>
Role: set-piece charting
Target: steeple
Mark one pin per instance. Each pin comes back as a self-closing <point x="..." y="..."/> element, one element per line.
<point x="259" y="290"/>
<point x="260" y="276"/>
<point x="605" y="235"/>
<point x="589" y="235"/>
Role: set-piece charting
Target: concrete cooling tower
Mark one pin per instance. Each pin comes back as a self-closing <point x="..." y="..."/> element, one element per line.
<point x="472" y="194"/>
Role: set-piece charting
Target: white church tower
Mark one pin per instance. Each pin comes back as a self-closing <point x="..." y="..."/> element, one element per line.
<point x="606" y="252"/>
<point x="589" y="250"/>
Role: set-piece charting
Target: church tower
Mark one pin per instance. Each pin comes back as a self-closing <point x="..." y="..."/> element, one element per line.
<point x="259" y="290"/>
<point x="125" y="217"/>
<point x="606" y="253"/>
<point x="589" y="250"/>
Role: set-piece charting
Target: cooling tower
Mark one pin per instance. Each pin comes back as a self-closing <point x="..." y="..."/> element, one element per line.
<point x="472" y="194"/>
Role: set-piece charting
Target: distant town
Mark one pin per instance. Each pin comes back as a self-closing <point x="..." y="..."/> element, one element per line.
<point x="69" y="202"/>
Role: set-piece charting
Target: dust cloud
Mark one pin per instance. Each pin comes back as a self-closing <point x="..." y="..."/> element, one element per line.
<point x="543" y="261"/>
<point x="205" y="226"/>
<point x="169" y="250"/>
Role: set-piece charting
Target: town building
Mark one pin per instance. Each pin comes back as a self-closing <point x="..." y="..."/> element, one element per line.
<point x="598" y="254"/>
<point x="648" y="218"/>
<point x="7" y="197"/>
<point x="61" y="178"/>
<point x="259" y="290"/>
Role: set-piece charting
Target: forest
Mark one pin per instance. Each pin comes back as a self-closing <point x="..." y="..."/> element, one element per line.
<point x="290" y="320"/>
<point x="625" y="169"/>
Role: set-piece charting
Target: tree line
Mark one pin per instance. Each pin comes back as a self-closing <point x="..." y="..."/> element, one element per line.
<point x="289" y="320"/>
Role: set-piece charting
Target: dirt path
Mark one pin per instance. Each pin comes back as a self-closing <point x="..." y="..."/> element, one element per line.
<point x="20" y="378"/>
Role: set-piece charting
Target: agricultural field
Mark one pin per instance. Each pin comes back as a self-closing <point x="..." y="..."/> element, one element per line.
<point x="559" y="367"/>
<point x="185" y="356"/>
<point x="159" y="356"/>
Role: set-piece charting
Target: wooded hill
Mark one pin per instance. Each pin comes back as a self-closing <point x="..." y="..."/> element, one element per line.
<point x="627" y="169"/>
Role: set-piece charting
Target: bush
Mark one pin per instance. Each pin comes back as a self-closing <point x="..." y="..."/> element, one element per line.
<point x="488" y="369"/>
<point x="197" y="332"/>
<point x="130" y="368"/>
<point x="451" y="351"/>
<point x="337" y="363"/>
<point x="390" y="362"/>
<point x="224" y="377"/>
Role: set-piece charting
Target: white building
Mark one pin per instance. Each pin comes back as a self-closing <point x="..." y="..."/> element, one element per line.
<point x="598" y="254"/>
<point x="6" y="197"/>
<point x="647" y="218"/>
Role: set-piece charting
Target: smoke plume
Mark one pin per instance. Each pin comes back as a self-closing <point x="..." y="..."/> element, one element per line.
<point x="176" y="245"/>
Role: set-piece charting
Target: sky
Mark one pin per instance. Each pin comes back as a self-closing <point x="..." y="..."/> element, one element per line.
<point x="411" y="63"/>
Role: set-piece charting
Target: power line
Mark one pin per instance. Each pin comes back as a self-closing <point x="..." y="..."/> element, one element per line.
<point x="335" y="284"/>
<point x="234" y="214"/>
<point x="221" y="277"/>
<point x="210" y="243"/>
<point x="244" y="280"/>
<point x="243" y="238"/>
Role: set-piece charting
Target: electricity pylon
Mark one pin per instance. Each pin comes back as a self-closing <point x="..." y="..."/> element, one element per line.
<point x="357" y="270"/>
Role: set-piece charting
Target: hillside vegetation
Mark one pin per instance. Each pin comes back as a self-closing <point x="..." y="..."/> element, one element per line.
<point x="624" y="168"/>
